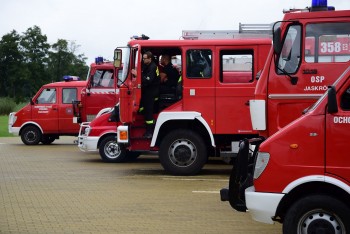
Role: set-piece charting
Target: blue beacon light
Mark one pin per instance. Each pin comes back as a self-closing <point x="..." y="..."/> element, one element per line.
<point x="71" y="78"/>
<point x="99" y="60"/>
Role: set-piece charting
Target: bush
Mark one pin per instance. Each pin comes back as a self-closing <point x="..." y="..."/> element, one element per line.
<point x="7" y="105"/>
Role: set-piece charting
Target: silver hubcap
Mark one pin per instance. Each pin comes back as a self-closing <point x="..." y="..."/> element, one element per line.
<point x="112" y="150"/>
<point x="320" y="221"/>
<point x="182" y="153"/>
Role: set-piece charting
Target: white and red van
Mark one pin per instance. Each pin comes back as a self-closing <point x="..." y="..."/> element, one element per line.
<point x="302" y="173"/>
<point x="49" y="113"/>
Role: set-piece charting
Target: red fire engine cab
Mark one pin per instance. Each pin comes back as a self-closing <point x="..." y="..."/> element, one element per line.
<point x="101" y="92"/>
<point x="208" y="110"/>
<point x="311" y="50"/>
<point x="302" y="173"/>
<point x="49" y="113"/>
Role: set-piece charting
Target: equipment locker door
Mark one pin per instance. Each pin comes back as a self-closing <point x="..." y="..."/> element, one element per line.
<point x="235" y="85"/>
<point x="199" y="82"/>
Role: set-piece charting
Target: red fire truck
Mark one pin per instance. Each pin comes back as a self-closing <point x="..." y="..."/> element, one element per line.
<point x="101" y="92"/>
<point x="205" y="114"/>
<point x="49" y="113"/>
<point x="94" y="97"/>
<point x="302" y="173"/>
<point x="299" y="73"/>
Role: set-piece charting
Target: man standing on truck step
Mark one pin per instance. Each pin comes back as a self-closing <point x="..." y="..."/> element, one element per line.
<point x="150" y="82"/>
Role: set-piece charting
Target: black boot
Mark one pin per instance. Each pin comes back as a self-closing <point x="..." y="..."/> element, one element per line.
<point x="149" y="131"/>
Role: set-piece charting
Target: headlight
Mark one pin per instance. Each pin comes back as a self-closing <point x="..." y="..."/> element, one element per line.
<point x="87" y="131"/>
<point x="261" y="163"/>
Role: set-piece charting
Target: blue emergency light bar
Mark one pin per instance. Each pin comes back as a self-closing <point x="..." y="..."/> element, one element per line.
<point x="99" y="60"/>
<point x="71" y="78"/>
<point x="321" y="5"/>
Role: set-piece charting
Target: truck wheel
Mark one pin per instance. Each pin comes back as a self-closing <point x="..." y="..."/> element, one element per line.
<point x="182" y="152"/>
<point x="317" y="214"/>
<point x="47" y="139"/>
<point x="31" y="135"/>
<point x="110" y="150"/>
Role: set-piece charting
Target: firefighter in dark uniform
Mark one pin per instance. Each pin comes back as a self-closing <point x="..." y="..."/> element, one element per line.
<point x="169" y="75"/>
<point x="150" y="82"/>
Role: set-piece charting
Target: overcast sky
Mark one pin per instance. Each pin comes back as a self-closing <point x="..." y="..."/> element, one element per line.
<point x="100" y="26"/>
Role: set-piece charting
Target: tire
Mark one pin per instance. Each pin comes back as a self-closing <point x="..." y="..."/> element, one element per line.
<point x="182" y="152"/>
<point x="47" y="139"/>
<point x="317" y="214"/>
<point x="31" y="135"/>
<point x="110" y="151"/>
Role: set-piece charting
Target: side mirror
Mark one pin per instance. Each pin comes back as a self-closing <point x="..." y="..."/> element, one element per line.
<point x="332" y="100"/>
<point x="117" y="58"/>
<point x="277" y="44"/>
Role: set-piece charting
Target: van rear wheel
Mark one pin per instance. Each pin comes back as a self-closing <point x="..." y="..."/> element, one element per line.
<point x="110" y="151"/>
<point x="31" y="135"/>
<point x="183" y="152"/>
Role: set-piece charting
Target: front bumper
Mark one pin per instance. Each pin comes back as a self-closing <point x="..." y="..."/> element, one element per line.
<point x="87" y="143"/>
<point x="262" y="206"/>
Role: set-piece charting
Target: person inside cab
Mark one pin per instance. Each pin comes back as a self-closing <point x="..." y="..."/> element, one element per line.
<point x="169" y="75"/>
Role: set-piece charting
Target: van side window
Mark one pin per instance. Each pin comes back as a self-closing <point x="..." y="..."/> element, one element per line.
<point x="236" y="66"/>
<point x="327" y="42"/>
<point x="47" y="96"/>
<point x="199" y="63"/>
<point x="345" y="100"/>
<point x="69" y="95"/>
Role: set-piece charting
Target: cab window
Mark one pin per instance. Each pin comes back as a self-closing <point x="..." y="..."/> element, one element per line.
<point x="103" y="78"/>
<point x="69" y="95"/>
<point x="289" y="58"/>
<point x="345" y="100"/>
<point x="236" y="66"/>
<point x="199" y="63"/>
<point x="327" y="42"/>
<point x="47" y="96"/>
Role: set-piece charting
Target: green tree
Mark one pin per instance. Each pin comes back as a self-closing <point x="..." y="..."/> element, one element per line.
<point x="63" y="61"/>
<point x="10" y="64"/>
<point x="35" y="48"/>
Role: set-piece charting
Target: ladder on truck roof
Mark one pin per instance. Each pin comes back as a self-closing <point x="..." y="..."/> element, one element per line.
<point x="245" y="31"/>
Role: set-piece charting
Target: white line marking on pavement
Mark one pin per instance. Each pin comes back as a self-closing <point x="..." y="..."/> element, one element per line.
<point x="205" y="191"/>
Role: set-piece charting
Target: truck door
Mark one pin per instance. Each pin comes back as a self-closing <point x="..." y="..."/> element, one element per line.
<point x="235" y="85"/>
<point x="199" y="83"/>
<point x="312" y="57"/>
<point x="337" y="137"/>
<point x="65" y="113"/>
<point x="45" y="110"/>
<point x="101" y="92"/>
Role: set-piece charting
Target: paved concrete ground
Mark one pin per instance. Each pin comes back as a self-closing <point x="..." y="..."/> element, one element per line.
<point x="58" y="189"/>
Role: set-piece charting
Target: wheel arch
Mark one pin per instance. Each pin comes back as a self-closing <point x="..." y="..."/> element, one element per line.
<point x="168" y="121"/>
<point x="310" y="188"/>
<point x="30" y="123"/>
<point x="103" y="136"/>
